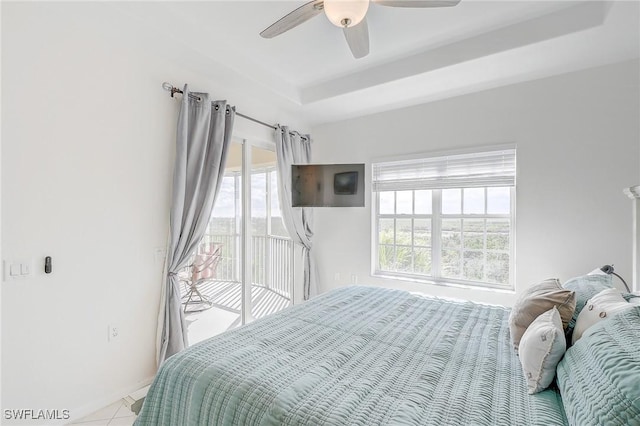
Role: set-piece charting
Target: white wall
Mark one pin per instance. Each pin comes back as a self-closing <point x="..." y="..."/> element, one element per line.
<point x="577" y="139"/>
<point x="87" y="148"/>
<point x="88" y="142"/>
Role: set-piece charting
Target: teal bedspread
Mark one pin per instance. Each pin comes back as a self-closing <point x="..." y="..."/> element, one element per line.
<point x="355" y="356"/>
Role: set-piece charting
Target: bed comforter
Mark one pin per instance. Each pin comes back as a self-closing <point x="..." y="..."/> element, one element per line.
<point x="355" y="356"/>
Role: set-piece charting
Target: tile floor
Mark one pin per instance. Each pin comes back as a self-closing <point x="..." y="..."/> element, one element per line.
<point x="116" y="414"/>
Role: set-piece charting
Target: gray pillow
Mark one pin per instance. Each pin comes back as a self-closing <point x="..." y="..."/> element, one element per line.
<point x="537" y="300"/>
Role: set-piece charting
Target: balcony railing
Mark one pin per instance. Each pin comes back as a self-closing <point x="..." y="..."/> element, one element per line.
<point x="271" y="261"/>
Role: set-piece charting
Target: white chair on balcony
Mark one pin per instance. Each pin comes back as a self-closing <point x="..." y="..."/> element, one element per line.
<point x="203" y="268"/>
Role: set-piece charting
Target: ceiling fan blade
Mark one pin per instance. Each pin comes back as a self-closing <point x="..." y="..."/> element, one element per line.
<point x="293" y="19"/>
<point x="358" y="39"/>
<point x="417" y="3"/>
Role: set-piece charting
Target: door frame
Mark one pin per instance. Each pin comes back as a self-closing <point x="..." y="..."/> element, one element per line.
<point x="246" y="247"/>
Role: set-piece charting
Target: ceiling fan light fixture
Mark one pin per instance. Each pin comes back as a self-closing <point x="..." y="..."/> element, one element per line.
<point x="346" y="13"/>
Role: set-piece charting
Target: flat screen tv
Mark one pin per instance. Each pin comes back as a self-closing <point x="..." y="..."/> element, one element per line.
<point x="327" y="185"/>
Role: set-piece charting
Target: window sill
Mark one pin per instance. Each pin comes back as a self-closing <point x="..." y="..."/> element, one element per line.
<point x="446" y="283"/>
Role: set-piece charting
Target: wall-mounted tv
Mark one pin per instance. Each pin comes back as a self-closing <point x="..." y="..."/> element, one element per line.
<point x="327" y="185"/>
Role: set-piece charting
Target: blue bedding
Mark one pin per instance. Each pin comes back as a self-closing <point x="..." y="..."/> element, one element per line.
<point x="355" y="356"/>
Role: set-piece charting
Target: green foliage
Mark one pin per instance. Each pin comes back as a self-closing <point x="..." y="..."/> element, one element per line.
<point x="472" y="248"/>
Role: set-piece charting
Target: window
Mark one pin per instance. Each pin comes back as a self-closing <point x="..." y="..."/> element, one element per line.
<point x="446" y="219"/>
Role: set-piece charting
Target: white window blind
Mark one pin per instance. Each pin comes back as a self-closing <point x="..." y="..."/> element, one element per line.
<point x="479" y="169"/>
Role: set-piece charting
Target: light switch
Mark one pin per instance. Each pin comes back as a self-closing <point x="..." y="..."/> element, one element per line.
<point x="25" y="269"/>
<point x="15" y="270"/>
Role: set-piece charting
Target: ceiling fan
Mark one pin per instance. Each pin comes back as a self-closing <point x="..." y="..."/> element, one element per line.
<point x="350" y="15"/>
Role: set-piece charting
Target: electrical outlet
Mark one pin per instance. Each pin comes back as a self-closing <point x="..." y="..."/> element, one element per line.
<point x="113" y="332"/>
<point x="354" y="279"/>
<point x="159" y="253"/>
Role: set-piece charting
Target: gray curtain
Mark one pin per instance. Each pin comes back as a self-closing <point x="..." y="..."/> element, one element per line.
<point x="202" y="144"/>
<point x="293" y="148"/>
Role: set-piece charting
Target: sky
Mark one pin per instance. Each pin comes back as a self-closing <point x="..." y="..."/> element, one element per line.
<point x="226" y="201"/>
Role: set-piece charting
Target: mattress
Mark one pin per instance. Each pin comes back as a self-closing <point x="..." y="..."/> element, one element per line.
<point x="355" y="356"/>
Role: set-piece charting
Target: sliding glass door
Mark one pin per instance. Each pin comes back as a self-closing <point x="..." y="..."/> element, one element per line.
<point x="254" y="273"/>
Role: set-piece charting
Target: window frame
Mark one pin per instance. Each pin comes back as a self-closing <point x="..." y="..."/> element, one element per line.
<point x="436" y="216"/>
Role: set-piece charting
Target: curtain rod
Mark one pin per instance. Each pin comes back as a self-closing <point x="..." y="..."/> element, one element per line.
<point x="170" y="88"/>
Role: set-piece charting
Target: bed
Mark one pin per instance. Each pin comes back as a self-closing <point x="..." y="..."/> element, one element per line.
<point x="355" y="356"/>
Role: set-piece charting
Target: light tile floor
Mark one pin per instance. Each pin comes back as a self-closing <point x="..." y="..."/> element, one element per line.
<point x="116" y="414"/>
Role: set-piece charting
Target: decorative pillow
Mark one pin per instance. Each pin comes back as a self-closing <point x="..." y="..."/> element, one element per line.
<point x="598" y="376"/>
<point x="597" y="271"/>
<point x="537" y="300"/>
<point x="541" y="348"/>
<point x="601" y="306"/>
<point x="585" y="288"/>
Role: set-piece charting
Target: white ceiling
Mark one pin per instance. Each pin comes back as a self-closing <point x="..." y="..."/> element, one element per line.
<point x="417" y="55"/>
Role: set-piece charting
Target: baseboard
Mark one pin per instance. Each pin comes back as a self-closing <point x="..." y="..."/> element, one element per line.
<point x="134" y="400"/>
<point x="93" y="406"/>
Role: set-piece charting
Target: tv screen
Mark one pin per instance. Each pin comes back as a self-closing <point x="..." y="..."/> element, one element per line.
<point x="327" y="185"/>
<point x="345" y="183"/>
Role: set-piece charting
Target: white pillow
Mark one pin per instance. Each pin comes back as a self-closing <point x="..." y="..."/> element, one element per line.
<point x="541" y="349"/>
<point x="601" y="306"/>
